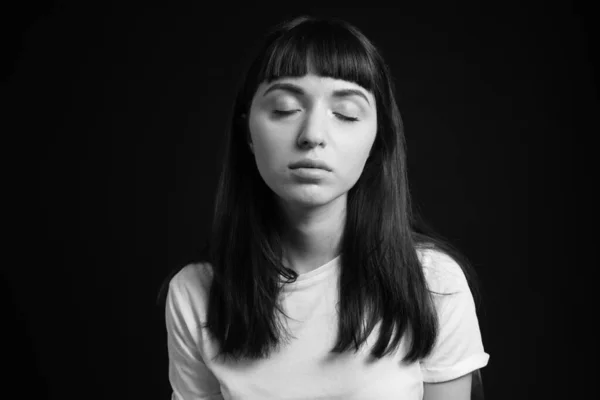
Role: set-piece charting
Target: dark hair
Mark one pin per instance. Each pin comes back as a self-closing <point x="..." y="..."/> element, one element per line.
<point x="381" y="278"/>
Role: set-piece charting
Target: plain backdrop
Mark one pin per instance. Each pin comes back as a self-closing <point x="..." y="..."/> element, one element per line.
<point x="112" y="129"/>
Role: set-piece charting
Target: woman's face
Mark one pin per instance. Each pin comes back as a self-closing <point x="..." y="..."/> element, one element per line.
<point x="311" y="117"/>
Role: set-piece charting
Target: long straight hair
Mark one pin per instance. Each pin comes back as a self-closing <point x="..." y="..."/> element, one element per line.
<point x="381" y="279"/>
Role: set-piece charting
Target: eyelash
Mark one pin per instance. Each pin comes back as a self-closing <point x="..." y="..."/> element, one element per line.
<point x="283" y="113"/>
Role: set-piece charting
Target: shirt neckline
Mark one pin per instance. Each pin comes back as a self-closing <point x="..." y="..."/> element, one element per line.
<point x="316" y="274"/>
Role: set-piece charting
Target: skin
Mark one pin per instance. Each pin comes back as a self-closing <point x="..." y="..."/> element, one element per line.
<point x="317" y="127"/>
<point x="456" y="389"/>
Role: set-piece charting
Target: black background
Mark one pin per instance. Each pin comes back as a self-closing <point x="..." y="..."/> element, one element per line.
<point x="113" y="123"/>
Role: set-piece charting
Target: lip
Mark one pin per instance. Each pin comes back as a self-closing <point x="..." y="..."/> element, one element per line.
<point x="309" y="174"/>
<point x="308" y="163"/>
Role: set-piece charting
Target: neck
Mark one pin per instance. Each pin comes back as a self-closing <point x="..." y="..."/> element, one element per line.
<point x="312" y="237"/>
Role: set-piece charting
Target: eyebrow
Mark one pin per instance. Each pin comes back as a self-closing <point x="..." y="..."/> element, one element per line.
<point x="290" y="87"/>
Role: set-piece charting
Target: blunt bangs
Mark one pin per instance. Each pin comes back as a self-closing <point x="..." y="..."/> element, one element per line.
<point x="327" y="49"/>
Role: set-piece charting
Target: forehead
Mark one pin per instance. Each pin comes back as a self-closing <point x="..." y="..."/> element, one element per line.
<point x="312" y="85"/>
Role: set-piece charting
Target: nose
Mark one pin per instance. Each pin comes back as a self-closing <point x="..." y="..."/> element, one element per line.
<point x="314" y="129"/>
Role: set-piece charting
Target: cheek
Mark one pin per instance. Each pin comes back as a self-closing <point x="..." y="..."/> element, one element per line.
<point x="269" y="148"/>
<point x="267" y="143"/>
<point x="355" y="155"/>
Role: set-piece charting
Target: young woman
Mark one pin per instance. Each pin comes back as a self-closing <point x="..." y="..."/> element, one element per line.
<point x="317" y="282"/>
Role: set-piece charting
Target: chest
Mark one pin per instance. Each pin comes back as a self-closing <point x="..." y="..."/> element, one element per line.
<point x="303" y="368"/>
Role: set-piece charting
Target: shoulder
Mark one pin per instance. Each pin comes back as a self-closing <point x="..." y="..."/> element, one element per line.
<point x="192" y="281"/>
<point x="442" y="273"/>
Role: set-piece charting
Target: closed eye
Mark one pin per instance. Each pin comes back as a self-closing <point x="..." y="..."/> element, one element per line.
<point x="346" y="118"/>
<point x="283" y="113"/>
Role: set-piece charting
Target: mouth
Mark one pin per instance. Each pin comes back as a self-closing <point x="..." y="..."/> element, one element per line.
<point x="309" y="174"/>
<point x="310" y="164"/>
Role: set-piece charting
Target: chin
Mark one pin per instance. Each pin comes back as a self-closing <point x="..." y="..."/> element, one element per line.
<point x="309" y="198"/>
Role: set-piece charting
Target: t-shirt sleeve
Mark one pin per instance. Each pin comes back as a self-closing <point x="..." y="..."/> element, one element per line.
<point x="189" y="376"/>
<point x="459" y="347"/>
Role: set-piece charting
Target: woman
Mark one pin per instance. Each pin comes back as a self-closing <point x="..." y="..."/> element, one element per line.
<point x="317" y="283"/>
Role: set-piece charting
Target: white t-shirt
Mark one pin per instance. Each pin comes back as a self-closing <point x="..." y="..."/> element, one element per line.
<point x="304" y="368"/>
